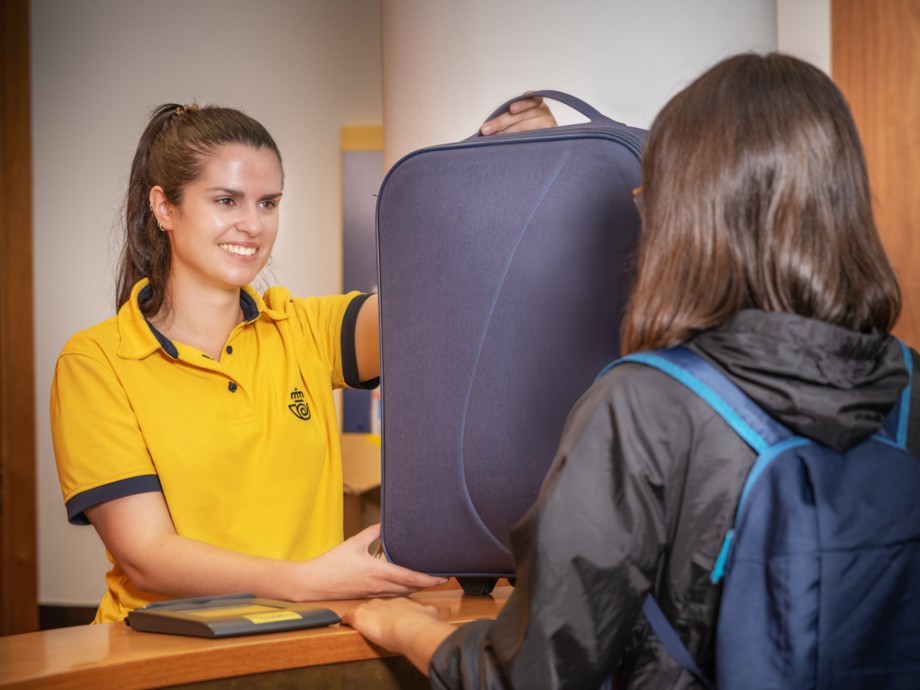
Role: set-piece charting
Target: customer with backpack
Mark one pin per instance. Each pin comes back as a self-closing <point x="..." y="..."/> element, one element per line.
<point x="760" y="255"/>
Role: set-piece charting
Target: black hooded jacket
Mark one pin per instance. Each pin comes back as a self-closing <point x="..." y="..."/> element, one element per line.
<point x="643" y="488"/>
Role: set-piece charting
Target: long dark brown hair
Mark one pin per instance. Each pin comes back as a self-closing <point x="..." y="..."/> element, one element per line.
<point x="755" y="195"/>
<point x="172" y="153"/>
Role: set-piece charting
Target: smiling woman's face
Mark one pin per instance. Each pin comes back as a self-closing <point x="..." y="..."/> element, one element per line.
<point x="223" y="230"/>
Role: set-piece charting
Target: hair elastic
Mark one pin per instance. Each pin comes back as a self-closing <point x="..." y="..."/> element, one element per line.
<point x="183" y="109"/>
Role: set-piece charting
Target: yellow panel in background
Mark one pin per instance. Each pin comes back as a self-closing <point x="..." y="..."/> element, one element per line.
<point x="362" y="138"/>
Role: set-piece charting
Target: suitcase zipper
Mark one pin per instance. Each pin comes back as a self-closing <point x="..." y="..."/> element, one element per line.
<point x="627" y="139"/>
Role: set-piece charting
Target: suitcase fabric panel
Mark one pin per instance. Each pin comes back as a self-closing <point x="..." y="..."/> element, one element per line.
<point x="503" y="270"/>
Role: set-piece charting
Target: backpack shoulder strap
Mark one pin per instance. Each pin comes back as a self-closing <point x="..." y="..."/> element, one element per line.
<point x="895" y="424"/>
<point x="756" y="427"/>
<point x="670" y="640"/>
<point x="753" y="425"/>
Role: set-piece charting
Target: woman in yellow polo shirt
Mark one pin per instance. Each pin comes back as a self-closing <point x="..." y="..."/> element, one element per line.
<point x="196" y="429"/>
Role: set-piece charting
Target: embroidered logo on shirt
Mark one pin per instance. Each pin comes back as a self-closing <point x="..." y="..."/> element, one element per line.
<point x="299" y="407"/>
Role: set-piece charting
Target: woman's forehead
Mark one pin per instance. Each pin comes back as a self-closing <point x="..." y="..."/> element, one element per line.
<point x="239" y="166"/>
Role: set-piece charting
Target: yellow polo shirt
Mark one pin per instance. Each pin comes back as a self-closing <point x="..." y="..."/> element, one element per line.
<point x="245" y="449"/>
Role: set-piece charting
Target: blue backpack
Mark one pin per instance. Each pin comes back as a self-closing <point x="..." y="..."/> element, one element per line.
<point x="821" y="570"/>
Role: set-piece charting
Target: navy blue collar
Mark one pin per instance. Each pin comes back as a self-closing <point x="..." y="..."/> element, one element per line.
<point x="247" y="304"/>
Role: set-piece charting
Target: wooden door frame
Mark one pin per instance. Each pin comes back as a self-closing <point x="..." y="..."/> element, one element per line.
<point x="18" y="559"/>
<point x="875" y="61"/>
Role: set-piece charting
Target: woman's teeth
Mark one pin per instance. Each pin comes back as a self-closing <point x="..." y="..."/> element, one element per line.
<point x="237" y="249"/>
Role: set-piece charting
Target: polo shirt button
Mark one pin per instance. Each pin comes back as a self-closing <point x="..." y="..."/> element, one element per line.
<point x="231" y="387"/>
<point x="229" y="349"/>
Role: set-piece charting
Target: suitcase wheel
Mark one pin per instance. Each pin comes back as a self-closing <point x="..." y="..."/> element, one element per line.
<point x="477" y="585"/>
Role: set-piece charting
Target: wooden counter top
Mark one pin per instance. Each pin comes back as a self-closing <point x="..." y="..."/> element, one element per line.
<point x="114" y="656"/>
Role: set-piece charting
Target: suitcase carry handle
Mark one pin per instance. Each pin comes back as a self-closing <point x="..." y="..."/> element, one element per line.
<point x="593" y="114"/>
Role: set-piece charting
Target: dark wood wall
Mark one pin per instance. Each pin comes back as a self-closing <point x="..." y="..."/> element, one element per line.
<point x="875" y="56"/>
<point x="18" y="581"/>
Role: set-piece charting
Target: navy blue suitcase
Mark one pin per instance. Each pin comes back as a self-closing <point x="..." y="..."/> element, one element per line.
<point x="503" y="268"/>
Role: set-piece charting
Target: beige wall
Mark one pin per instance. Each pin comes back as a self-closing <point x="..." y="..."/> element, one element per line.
<point x="446" y="65"/>
<point x="804" y="30"/>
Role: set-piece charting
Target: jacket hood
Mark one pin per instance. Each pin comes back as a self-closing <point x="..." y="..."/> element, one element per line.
<point x="822" y="381"/>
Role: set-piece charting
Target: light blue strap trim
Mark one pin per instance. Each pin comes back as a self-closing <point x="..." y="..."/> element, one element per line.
<point x="609" y="367"/>
<point x="718" y="572"/>
<point x="884" y="439"/>
<point x="760" y="465"/>
<point x="905" y="398"/>
<point x="742" y="428"/>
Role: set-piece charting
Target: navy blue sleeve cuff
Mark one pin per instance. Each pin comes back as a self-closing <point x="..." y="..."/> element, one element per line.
<point x="107" y="492"/>
<point x="349" y="354"/>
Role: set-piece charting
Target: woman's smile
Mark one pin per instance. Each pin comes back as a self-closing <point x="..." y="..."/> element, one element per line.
<point x="238" y="249"/>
